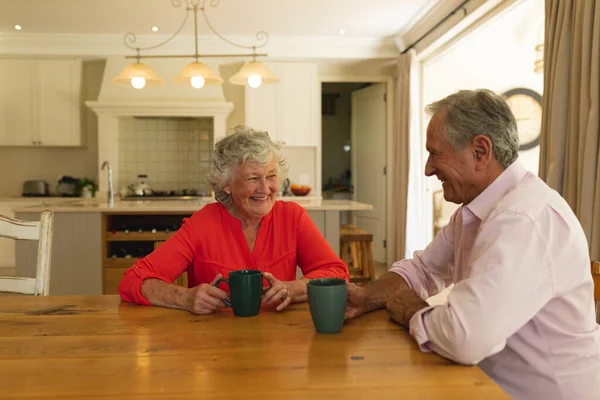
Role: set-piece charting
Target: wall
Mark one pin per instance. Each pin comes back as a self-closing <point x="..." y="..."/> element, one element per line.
<point x="175" y="153"/>
<point x="302" y="161"/>
<point x="234" y="94"/>
<point x="363" y="68"/>
<point x="50" y="163"/>
<point x="26" y="163"/>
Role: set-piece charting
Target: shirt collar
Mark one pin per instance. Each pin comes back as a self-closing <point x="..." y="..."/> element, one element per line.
<point x="482" y="205"/>
<point x="233" y="220"/>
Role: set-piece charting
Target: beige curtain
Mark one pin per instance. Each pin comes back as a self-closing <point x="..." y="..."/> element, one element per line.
<point x="401" y="150"/>
<point x="569" y="148"/>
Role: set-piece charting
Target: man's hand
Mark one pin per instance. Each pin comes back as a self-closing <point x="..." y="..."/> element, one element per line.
<point x="356" y="301"/>
<point x="362" y="299"/>
<point x="205" y="298"/>
<point x="403" y="305"/>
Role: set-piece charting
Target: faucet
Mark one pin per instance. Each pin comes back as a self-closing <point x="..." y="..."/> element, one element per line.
<point x="111" y="192"/>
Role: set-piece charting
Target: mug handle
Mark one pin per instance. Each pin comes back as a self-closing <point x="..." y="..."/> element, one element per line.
<point x="227" y="302"/>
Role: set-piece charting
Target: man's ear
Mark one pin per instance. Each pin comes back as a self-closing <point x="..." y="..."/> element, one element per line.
<point x="482" y="148"/>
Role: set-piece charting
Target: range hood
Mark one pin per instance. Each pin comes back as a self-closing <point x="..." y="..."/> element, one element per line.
<point x="169" y="100"/>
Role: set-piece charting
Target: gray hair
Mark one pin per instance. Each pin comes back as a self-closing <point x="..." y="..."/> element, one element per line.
<point x="480" y="112"/>
<point x="245" y="144"/>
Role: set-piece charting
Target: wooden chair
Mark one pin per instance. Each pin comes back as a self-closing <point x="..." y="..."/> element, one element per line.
<point x="30" y="230"/>
<point x="596" y="277"/>
<point x="356" y="252"/>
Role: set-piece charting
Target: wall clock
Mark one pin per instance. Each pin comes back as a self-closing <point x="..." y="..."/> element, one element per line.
<point x="526" y="105"/>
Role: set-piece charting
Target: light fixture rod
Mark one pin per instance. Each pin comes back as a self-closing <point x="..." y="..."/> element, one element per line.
<point x="261" y="36"/>
<point x="196" y="31"/>
<point x="199" y="56"/>
<point x="130" y="38"/>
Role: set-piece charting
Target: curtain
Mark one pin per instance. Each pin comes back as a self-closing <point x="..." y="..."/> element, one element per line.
<point x="569" y="144"/>
<point x="401" y="147"/>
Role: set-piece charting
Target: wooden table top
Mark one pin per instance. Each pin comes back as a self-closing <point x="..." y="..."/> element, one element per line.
<point x="95" y="347"/>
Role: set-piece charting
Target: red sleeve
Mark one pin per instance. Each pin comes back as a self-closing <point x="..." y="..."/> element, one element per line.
<point x="316" y="258"/>
<point x="165" y="263"/>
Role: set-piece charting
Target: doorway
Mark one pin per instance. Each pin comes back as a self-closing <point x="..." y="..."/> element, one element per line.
<point x="354" y="149"/>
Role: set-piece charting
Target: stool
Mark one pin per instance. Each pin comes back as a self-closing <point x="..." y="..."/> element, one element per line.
<point x="356" y="243"/>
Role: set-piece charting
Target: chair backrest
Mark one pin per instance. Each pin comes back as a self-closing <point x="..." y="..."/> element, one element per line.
<point x="596" y="276"/>
<point x="30" y="230"/>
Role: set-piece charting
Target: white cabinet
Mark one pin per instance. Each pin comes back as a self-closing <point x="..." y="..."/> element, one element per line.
<point x="59" y="102"/>
<point x="288" y="110"/>
<point x="40" y="102"/>
<point x="17" y="101"/>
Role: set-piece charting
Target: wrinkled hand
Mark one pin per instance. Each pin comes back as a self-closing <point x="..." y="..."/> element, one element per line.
<point x="205" y="298"/>
<point x="284" y="292"/>
<point x="403" y="305"/>
<point x="356" y="301"/>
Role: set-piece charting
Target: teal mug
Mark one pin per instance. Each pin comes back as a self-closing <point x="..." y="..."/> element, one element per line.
<point x="327" y="303"/>
<point x="245" y="291"/>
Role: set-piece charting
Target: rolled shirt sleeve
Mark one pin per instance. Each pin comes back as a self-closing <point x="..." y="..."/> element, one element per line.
<point x="430" y="271"/>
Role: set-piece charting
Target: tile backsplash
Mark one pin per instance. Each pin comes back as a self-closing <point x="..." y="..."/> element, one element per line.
<point x="175" y="153"/>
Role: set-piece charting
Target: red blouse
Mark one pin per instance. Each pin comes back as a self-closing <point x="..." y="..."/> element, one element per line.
<point x="211" y="241"/>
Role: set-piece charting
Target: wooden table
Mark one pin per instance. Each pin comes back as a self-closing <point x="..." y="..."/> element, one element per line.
<point x="95" y="347"/>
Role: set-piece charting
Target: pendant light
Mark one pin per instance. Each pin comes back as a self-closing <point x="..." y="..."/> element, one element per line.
<point x="196" y="74"/>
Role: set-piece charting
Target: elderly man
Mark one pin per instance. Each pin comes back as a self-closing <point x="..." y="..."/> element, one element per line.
<point x="522" y="303"/>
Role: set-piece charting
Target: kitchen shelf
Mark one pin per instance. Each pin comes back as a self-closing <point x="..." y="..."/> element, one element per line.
<point x="137" y="236"/>
<point x="120" y="262"/>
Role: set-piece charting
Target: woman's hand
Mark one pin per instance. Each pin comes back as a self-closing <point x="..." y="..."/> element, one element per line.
<point x="283" y="292"/>
<point x="205" y="298"/>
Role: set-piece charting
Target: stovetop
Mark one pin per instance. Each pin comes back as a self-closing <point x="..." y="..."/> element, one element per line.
<point x="168" y="195"/>
<point x="162" y="197"/>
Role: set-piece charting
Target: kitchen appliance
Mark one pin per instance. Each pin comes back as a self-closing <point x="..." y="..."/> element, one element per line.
<point x="185" y="194"/>
<point x="141" y="188"/>
<point x="67" y="186"/>
<point x="36" y="187"/>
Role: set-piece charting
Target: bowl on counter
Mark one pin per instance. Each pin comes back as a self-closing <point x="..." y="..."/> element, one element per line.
<point x="300" y="190"/>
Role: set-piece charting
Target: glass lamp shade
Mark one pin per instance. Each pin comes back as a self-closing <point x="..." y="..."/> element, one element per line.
<point x="250" y="72"/>
<point x="138" y="70"/>
<point x="196" y="70"/>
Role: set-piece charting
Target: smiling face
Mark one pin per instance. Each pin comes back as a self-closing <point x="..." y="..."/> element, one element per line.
<point x="456" y="169"/>
<point x="253" y="189"/>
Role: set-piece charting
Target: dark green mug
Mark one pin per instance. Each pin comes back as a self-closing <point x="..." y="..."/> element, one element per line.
<point x="327" y="303"/>
<point x="245" y="291"/>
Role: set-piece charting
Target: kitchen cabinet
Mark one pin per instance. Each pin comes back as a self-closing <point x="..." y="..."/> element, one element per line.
<point x="40" y="102"/>
<point x="17" y="101"/>
<point x="126" y="238"/>
<point x="76" y="264"/>
<point x="289" y="110"/>
<point x="7" y="246"/>
<point x="94" y="246"/>
<point x="59" y="102"/>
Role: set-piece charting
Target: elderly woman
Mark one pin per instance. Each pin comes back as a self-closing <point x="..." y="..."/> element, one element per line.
<point x="245" y="229"/>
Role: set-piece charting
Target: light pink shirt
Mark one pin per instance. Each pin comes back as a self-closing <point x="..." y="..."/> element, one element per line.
<point x="522" y="305"/>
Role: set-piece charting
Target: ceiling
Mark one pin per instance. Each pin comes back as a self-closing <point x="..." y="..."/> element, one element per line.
<point x="293" y="18"/>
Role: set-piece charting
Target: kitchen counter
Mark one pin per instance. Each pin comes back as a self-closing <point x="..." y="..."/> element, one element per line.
<point x="83" y="249"/>
<point x="144" y="206"/>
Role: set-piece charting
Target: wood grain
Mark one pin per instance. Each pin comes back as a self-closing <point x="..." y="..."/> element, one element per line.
<point x="96" y="347"/>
